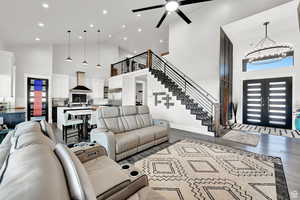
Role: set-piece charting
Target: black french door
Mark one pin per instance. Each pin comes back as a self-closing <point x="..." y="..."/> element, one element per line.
<point x="268" y="102"/>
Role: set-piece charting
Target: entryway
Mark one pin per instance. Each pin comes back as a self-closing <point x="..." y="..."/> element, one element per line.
<point x="268" y="102"/>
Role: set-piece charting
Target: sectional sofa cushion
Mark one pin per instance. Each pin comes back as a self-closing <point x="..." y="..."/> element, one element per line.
<point x="102" y="170"/>
<point x="4" y="151"/>
<point x="144" y="117"/>
<point x="33" y="172"/>
<point x="6" y="140"/>
<point x="129" y="117"/>
<point x="47" y="129"/>
<point x="109" y="118"/>
<point x="27" y="127"/>
<point x="159" y="131"/>
<point x="23" y="141"/>
<point x="126" y="141"/>
<point x="145" y="135"/>
<point x="79" y="184"/>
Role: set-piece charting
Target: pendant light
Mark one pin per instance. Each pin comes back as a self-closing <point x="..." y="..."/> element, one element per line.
<point x="69" y="59"/>
<point x="84" y="48"/>
<point x="98" y="50"/>
<point x="268" y="49"/>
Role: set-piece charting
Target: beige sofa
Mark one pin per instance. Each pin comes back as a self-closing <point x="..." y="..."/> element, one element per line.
<point x="34" y="167"/>
<point x="126" y="130"/>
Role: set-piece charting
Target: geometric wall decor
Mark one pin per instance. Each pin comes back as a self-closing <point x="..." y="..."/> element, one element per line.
<point x="165" y="97"/>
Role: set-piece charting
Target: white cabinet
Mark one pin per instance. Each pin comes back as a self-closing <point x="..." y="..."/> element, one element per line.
<point x="7" y="74"/>
<point x="60" y="86"/>
<point x="97" y="85"/>
<point x="5" y="86"/>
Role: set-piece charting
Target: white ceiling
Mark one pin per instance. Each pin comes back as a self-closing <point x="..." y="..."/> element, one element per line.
<point x="19" y="19"/>
<point x="283" y="19"/>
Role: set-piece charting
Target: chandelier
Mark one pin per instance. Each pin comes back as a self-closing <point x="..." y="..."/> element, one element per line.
<point x="268" y="50"/>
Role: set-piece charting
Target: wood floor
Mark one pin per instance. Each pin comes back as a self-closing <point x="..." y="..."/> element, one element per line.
<point x="288" y="149"/>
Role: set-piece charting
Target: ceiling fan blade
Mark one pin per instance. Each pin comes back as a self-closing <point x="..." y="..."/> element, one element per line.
<point x="162" y="19"/>
<point x="183" y="16"/>
<point x="148" y="8"/>
<point x="187" y="2"/>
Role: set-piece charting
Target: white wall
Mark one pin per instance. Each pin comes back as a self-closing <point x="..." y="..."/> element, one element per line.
<point x="178" y="116"/>
<point x="195" y="48"/>
<point x="34" y="61"/>
<point x="2" y="47"/>
<point x="108" y="55"/>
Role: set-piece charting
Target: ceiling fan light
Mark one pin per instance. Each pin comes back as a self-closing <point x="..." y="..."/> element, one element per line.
<point x="171" y="6"/>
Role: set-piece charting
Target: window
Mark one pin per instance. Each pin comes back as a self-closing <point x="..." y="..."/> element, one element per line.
<point x="288" y="61"/>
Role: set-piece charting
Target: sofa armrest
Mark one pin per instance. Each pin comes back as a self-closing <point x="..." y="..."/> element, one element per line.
<point x="161" y="122"/>
<point x="90" y="152"/>
<point x="106" y="139"/>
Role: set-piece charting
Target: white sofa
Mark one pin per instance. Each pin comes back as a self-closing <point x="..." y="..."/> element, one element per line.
<point x="126" y="130"/>
<point x="34" y="167"/>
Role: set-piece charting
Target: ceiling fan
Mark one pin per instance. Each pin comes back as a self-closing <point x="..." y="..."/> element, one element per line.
<point x="172" y="6"/>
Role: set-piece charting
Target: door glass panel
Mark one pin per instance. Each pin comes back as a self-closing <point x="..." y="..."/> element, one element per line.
<point x="267" y="102"/>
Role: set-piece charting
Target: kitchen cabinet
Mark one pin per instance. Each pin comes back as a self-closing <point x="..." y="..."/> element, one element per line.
<point x="97" y="85"/>
<point x="7" y="75"/>
<point x="60" y="86"/>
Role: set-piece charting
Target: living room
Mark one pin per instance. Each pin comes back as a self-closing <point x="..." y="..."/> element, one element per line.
<point x="188" y="99"/>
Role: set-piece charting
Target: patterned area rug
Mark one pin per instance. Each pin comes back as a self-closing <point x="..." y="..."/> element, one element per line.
<point x="196" y="170"/>
<point x="267" y="130"/>
<point x="243" y="137"/>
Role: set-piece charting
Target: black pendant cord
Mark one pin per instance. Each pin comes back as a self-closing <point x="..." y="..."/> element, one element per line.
<point x="266" y="28"/>
<point x="85" y="41"/>
<point x="69" y="46"/>
<point x="98" y="48"/>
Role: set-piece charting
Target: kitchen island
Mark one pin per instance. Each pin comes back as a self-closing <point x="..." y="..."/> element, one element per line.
<point x="62" y="110"/>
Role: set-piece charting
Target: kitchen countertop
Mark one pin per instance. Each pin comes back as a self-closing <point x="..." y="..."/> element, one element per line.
<point x="12" y="110"/>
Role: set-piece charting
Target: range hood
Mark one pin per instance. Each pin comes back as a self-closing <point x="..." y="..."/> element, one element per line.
<point x="80" y="88"/>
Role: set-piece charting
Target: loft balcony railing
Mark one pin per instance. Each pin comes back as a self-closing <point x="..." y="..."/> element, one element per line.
<point x="132" y="64"/>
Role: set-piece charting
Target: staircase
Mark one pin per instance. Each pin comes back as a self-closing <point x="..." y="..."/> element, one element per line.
<point x="195" y="98"/>
<point x="200" y="103"/>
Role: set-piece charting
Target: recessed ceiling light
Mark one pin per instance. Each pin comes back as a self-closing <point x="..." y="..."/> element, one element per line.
<point x="92" y="25"/>
<point x="109" y="35"/>
<point x="125" y="38"/>
<point x="138" y="15"/>
<point x="79" y="37"/>
<point x="45" y="5"/>
<point x="104" y="12"/>
<point x="40" y="24"/>
<point x="161" y="41"/>
<point x="123" y="26"/>
<point x="139" y="30"/>
<point x="37" y="39"/>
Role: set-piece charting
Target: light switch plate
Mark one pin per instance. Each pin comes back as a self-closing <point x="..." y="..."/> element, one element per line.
<point x="1" y="120"/>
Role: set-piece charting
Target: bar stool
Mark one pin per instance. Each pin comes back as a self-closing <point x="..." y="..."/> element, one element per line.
<point x="93" y="121"/>
<point x="67" y="123"/>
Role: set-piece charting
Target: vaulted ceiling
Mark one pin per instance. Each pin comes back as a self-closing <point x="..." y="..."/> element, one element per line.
<point x="19" y="21"/>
